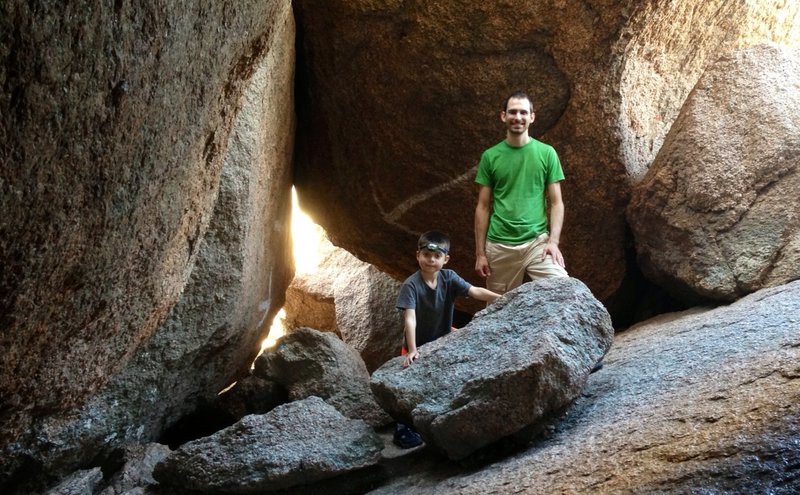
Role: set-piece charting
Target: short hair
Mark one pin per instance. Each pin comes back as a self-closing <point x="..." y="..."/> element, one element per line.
<point x="441" y="240"/>
<point x="518" y="95"/>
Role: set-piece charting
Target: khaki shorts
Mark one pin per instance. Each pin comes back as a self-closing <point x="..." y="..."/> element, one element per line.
<point x="510" y="263"/>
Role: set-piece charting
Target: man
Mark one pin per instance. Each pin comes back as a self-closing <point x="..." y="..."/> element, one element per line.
<point x="519" y="180"/>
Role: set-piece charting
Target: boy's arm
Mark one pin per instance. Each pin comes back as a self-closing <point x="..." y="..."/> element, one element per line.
<point x="482" y="294"/>
<point x="410" y="330"/>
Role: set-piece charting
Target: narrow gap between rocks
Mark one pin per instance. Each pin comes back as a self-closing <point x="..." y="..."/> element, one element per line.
<point x="310" y="248"/>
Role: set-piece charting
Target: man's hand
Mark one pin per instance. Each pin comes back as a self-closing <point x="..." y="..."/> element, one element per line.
<point x="482" y="266"/>
<point x="410" y="357"/>
<point x="552" y="249"/>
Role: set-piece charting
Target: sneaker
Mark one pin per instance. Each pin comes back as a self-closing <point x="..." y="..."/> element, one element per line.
<point x="406" y="438"/>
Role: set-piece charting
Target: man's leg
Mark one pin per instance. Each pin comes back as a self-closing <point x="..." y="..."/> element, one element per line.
<point x="507" y="264"/>
<point x="536" y="267"/>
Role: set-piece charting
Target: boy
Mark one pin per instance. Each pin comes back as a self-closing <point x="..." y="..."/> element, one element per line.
<point x="427" y="299"/>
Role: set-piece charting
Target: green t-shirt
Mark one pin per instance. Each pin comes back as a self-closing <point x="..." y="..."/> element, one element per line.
<point x="518" y="178"/>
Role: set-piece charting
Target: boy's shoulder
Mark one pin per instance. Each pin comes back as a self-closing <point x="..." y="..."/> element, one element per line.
<point x="448" y="275"/>
<point x="413" y="278"/>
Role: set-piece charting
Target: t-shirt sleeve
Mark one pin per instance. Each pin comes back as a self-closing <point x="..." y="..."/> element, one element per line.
<point x="554" y="171"/>
<point x="407" y="297"/>
<point x="483" y="177"/>
<point x="459" y="286"/>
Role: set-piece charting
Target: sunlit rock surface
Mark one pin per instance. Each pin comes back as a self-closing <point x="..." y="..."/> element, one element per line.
<point x="718" y="216"/>
<point x="351" y="298"/>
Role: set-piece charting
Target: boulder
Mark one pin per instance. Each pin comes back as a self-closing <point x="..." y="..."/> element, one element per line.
<point x="351" y="298"/>
<point x="716" y="217"/>
<point x="294" y="444"/>
<point x="308" y="362"/>
<point x="83" y="482"/>
<point x="137" y="472"/>
<point x="124" y="189"/>
<point x="703" y="401"/>
<point x="516" y="365"/>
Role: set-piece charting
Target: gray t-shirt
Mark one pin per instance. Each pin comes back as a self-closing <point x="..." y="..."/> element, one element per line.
<point x="433" y="307"/>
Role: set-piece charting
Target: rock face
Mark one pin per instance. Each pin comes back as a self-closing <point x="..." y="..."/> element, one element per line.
<point x="251" y="395"/>
<point x="308" y="363"/>
<point x="521" y="361"/>
<point x="297" y="443"/>
<point x="351" y="298"/>
<point x="136" y="178"/>
<point x="84" y="482"/>
<point x="695" y="402"/>
<point x="383" y="146"/>
<point x="137" y="473"/>
<point x="718" y="215"/>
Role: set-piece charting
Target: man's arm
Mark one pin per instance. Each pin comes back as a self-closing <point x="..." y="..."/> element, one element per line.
<point x="410" y="329"/>
<point x="556" y="205"/>
<point x="482" y="211"/>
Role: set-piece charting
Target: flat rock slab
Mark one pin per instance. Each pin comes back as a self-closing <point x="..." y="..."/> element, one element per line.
<point x="297" y="443"/>
<point x="518" y="363"/>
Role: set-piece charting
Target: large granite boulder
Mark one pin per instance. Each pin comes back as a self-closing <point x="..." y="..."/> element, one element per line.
<point x="704" y="401"/>
<point x="148" y="163"/>
<point x="402" y="98"/>
<point x="717" y="215"/>
<point x="308" y="362"/>
<point x="520" y="362"/>
<point x="351" y="298"/>
<point x="294" y="444"/>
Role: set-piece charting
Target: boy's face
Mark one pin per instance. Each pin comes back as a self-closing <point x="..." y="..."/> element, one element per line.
<point x="431" y="261"/>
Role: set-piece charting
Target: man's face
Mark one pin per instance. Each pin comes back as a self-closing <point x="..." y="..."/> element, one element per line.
<point x="518" y="116"/>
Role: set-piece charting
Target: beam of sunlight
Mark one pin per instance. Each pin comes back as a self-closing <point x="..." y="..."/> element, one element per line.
<point x="307" y="240"/>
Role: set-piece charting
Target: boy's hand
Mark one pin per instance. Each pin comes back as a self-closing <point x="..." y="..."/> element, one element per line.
<point x="410" y="357"/>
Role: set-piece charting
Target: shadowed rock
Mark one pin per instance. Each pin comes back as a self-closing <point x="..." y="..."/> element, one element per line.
<point x="251" y="395"/>
<point x="137" y="473"/>
<point x="718" y="215"/>
<point x="296" y="443"/>
<point x="83" y="482"/>
<point x="145" y="158"/>
<point x="309" y="362"/>
<point x="518" y="363"/>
